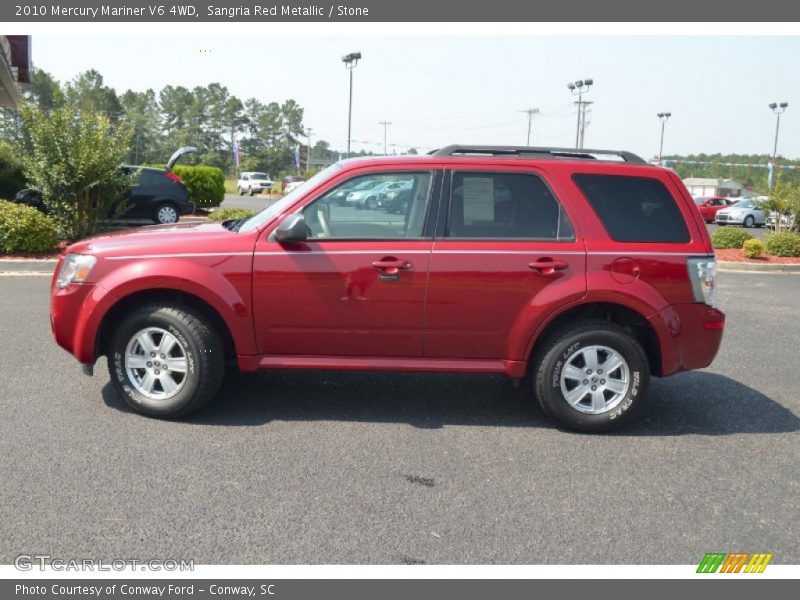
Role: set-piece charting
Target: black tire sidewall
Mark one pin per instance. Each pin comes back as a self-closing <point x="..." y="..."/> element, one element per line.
<point x="119" y="377"/>
<point x="548" y="381"/>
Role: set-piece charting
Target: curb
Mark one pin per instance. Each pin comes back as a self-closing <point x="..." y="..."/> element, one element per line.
<point x="745" y="267"/>
<point x="28" y="265"/>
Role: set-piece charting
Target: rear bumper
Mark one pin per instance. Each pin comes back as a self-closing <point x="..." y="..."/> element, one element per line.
<point x="689" y="336"/>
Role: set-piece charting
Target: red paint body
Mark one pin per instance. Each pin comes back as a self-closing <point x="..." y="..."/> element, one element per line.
<point x="454" y="305"/>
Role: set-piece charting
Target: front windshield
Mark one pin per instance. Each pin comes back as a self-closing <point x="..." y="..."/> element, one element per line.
<point x="699" y="200"/>
<point x="744" y="204"/>
<point x="281" y="205"/>
<point x="258" y="176"/>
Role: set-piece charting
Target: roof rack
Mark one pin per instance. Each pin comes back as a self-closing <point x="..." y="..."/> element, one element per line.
<point x="539" y="152"/>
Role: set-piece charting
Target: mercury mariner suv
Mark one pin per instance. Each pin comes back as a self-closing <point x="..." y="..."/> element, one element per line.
<point x="581" y="272"/>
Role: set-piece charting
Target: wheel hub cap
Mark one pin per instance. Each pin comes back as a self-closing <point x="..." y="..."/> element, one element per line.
<point x="595" y="379"/>
<point x="155" y="362"/>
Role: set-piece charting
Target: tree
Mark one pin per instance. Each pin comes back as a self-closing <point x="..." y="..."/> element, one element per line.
<point x="87" y="92"/>
<point x="75" y="164"/>
<point x="141" y="114"/>
<point x="784" y="199"/>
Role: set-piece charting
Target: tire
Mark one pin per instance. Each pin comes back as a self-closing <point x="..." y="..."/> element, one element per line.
<point x="371" y="204"/>
<point x="240" y="190"/>
<point x="568" y="348"/>
<point x="748" y="222"/>
<point x="250" y="191"/>
<point x="196" y="348"/>
<point x="166" y="213"/>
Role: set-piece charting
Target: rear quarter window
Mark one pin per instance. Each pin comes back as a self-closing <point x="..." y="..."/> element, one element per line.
<point x="634" y="209"/>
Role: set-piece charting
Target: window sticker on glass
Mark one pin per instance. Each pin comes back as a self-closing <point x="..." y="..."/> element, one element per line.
<point x="478" y="199"/>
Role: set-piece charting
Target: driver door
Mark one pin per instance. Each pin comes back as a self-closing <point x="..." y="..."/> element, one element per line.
<point x="356" y="286"/>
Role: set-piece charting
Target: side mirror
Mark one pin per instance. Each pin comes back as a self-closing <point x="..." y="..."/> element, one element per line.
<point x="292" y="230"/>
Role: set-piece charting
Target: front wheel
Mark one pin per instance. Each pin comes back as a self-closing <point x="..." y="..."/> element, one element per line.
<point x="165" y="361"/>
<point x="591" y="377"/>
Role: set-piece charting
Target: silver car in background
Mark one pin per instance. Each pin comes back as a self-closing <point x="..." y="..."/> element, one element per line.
<point x="746" y="212"/>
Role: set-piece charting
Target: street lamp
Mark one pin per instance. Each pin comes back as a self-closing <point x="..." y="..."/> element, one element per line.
<point x="580" y="87"/>
<point x="663" y="117"/>
<point x="778" y="109"/>
<point x="350" y="61"/>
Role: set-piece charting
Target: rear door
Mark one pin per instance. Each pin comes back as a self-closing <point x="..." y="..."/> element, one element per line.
<point x="356" y="287"/>
<point x="505" y="256"/>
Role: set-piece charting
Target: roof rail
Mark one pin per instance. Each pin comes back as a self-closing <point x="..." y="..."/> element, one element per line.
<point x="540" y="152"/>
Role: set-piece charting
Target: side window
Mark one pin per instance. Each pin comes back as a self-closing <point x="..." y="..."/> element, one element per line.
<point x="505" y="206"/>
<point x="389" y="205"/>
<point x="634" y="209"/>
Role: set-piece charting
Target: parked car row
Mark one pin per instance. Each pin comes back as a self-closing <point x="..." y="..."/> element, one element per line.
<point x="157" y="194"/>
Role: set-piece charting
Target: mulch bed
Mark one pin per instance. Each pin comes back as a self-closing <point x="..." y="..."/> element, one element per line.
<point x="737" y="255"/>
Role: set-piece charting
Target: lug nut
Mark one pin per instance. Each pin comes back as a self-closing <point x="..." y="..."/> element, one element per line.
<point x="599" y="371"/>
<point x="162" y="356"/>
<point x="152" y="355"/>
<point x="603" y="381"/>
<point x="588" y="371"/>
<point x="594" y="387"/>
<point x="149" y="364"/>
<point x="157" y="372"/>
<point x="585" y="381"/>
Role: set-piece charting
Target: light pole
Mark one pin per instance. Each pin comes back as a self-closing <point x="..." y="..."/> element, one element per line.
<point x="778" y="109"/>
<point x="308" y="154"/>
<point x="350" y="61"/>
<point x="385" y="125"/>
<point x="531" y="112"/>
<point x="663" y="117"/>
<point x="580" y="87"/>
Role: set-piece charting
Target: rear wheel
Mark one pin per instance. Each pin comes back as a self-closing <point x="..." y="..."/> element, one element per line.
<point x="749" y="221"/>
<point x="165" y="361"/>
<point x="166" y="213"/>
<point x="371" y="204"/>
<point x="591" y="376"/>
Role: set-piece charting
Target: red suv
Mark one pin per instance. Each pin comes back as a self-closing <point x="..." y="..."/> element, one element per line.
<point x="587" y="270"/>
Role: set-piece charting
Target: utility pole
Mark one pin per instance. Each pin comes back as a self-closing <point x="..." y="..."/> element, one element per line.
<point x="586" y="103"/>
<point x="531" y="112"/>
<point x="308" y="155"/>
<point x="385" y="125"/>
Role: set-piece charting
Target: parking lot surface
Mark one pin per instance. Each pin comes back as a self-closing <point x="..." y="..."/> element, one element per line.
<point x="322" y="467"/>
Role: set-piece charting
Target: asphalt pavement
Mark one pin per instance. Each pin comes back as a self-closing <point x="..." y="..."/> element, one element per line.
<point x="329" y="467"/>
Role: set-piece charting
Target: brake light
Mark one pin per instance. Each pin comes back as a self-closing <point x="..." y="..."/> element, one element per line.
<point x="173" y="177"/>
<point x="703" y="275"/>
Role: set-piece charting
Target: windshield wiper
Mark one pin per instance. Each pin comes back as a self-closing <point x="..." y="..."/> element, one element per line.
<point x="233" y="224"/>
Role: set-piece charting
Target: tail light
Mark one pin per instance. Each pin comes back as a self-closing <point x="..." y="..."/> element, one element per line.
<point x="703" y="275"/>
<point x="173" y="177"/>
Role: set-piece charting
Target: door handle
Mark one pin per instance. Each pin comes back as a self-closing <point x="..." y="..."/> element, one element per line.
<point x="548" y="266"/>
<point x="391" y="265"/>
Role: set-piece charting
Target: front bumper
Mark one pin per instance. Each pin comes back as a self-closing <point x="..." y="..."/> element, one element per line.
<point x="75" y="315"/>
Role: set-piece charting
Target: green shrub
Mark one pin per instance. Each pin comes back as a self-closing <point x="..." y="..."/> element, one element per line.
<point x="730" y="237"/>
<point x="783" y="243"/>
<point x="12" y="179"/>
<point x="223" y="214"/>
<point x="206" y="185"/>
<point x="25" y="229"/>
<point x="753" y="249"/>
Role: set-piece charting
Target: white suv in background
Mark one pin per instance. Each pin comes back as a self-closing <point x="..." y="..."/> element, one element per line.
<point x="253" y="182"/>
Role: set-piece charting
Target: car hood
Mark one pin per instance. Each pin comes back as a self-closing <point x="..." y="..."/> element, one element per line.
<point x="155" y="240"/>
<point x="735" y="211"/>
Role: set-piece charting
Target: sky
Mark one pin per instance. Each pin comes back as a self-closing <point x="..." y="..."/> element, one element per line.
<point x="472" y="90"/>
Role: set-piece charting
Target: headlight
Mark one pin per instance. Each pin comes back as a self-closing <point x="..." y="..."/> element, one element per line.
<point x="76" y="269"/>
